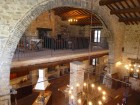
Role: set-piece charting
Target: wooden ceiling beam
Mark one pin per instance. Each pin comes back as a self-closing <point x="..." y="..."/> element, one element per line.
<point x="133" y="3"/>
<point x="128" y="10"/>
<point x="80" y="14"/>
<point x="129" y="19"/>
<point x="74" y="16"/>
<point x="83" y="24"/>
<point x="124" y="13"/>
<point x="113" y="9"/>
<point x="106" y="2"/>
<point x="59" y="10"/>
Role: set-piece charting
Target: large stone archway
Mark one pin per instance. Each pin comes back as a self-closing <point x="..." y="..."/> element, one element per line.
<point x="11" y="33"/>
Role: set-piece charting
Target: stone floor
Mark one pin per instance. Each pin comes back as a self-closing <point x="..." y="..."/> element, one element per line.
<point x="58" y="98"/>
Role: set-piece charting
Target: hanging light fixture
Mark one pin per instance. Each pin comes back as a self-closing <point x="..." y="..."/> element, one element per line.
<point x="134" y="66"/>
<point x="90" y="95"/>
<point x="86" y="92"/>
<point x="72" y="20"/>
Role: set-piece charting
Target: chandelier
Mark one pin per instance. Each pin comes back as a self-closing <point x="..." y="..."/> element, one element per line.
<point x="90" y="95"/>
<point x="134" y="66"/>
<point x="88" y="92"/>
<point x="72" y="20"/>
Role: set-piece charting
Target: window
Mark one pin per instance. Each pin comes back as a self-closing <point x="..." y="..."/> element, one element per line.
<point x="95" y="61"/>
<point x="97" y="35"/>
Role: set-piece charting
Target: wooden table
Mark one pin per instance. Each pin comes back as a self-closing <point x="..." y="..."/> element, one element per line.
<point x="47" y="99"/>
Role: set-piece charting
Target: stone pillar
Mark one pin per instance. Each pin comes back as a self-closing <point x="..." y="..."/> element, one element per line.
<point x="4" y="77"/>
<point x="76" y="77"/>
<point x="53" y="23"/>
<point x="111" y="59"/>
<point x="86" y="62"/>
<point x="5" y="100"/>
<point x="33" y="76"/>
<point x="102" y="63"/>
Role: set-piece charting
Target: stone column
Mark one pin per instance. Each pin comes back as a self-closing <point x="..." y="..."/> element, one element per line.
<point x="4" y="74"/>
<point x="5" y="100"/>
<point x="102" y="64"/>
<point x="111" y="59"/>
<point x="53" y="23"/>
<point x="33" y="76"/>
<point x="86" y="62"/>
<point x="76" y="77"/>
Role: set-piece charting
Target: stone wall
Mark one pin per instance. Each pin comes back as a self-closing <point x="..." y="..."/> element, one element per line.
<point x="54" y="22"/>
<point x="16" y="15"/>
<point x="131" y="44"/>
<point x="42" y="21"/>
<point x="48" y="19"/>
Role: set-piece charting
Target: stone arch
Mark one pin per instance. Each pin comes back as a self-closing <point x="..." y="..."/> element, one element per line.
<point x="22" y="24"/>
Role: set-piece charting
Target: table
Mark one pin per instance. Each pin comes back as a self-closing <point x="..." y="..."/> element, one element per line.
<point x="47" y="99"/>
<point x="35" y="43"/>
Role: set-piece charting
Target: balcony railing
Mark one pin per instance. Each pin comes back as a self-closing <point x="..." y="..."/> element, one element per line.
<point x="31" y="46"/>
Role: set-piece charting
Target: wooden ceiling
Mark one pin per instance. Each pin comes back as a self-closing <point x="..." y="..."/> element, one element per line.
<point x="83" y="16"/>
<point x="128" y="11"/>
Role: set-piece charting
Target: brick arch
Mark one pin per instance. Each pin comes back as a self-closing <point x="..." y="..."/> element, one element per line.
<point x="34" y="12"/>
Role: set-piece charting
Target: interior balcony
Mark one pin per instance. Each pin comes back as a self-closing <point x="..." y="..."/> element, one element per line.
<point x="32" y="50"/>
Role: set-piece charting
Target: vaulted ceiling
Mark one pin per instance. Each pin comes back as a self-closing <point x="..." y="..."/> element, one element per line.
<point x="128" y="11"/>
<point x="83" y="16"/>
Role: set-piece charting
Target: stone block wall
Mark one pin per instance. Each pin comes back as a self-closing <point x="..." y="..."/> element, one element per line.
<point x="131" y="44"/>
<point x="43" y="21"/>
<point x="54" y="22"/>
<point x="16" y="15"/>
<point x="76" y="77"/>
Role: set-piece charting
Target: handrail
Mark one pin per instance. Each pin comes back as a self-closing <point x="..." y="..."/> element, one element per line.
<point x="32" y="46"/>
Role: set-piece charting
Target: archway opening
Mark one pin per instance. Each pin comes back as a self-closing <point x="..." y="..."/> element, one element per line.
<point x="58" y="24"/>
<point x="62" y="23"/>
<point x="24" y="22"/>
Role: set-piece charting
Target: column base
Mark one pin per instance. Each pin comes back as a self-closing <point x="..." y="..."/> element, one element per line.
<point x="5" y="100"/>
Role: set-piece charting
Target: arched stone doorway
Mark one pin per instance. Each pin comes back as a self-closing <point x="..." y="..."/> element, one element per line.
<point x="21" y="24"/>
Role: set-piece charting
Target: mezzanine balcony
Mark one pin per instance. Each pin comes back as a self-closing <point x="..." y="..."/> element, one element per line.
<point x="32" y="50"/>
